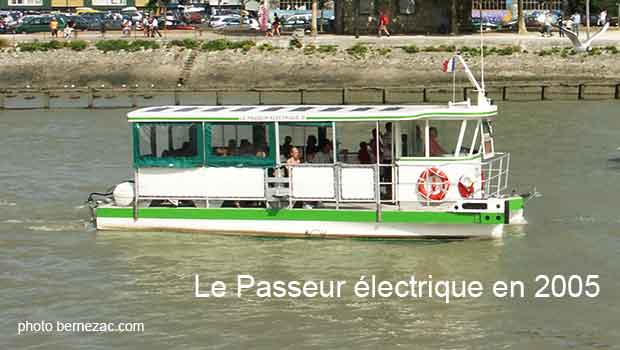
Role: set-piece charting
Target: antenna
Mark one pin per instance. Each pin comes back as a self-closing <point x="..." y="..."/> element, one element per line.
<point x="481" y="49"/>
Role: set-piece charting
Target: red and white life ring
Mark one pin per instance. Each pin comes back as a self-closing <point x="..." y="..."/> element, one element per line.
<point x="466" y="186"/>
<point x="433" y="184"/>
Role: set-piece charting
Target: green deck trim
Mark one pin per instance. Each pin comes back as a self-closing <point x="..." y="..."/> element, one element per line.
<point x="302" y="215"/>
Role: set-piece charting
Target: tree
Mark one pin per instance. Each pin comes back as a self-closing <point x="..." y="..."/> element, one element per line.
<point x="315" y="14"/>
<point x="521" y="18"/>
<point x="454" y="28"/>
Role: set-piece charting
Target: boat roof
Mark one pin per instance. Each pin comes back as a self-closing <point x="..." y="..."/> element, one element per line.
<point x="310" y="113"/>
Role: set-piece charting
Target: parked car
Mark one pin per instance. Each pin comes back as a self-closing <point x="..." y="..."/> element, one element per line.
<point x="38" y="24"/>
<point x="487" y="25"/>
<point x="79" y="22"/>
<point x="221" y="21"/>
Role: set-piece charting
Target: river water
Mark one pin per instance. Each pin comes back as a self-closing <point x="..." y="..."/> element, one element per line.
<point x="55" y="267"/>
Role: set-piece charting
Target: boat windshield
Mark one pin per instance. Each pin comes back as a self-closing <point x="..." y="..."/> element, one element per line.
<point x="168" y="144"/>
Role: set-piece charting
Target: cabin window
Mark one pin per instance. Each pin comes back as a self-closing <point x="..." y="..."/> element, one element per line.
<point x="412" y="139"/>
<point x="314" y="140"/>
<point x="443" y="136"/>
<point x="175" y="145"/>
<point x="240" y="144"/>
<point x="470" y="144"/>
<point x="487" y="137"/>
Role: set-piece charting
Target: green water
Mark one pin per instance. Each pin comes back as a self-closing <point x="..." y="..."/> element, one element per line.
<point x="53" y="266"/>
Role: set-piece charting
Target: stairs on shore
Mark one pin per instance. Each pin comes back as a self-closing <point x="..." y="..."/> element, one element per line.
<point x="186" y="71"/>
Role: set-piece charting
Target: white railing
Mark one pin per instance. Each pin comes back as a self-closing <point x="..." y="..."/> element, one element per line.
<point x="495" y="172"/>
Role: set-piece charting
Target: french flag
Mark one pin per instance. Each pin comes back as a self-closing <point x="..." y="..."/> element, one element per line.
<point x="449" y="66"/>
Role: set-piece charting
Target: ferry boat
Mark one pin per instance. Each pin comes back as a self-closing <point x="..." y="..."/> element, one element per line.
<point x="332" y="171"/>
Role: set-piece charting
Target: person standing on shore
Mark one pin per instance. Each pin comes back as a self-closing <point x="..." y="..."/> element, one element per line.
<point x="54" y="27"/>
<point x="155" y="27"/>
<point x="576" y="18"/>
<point x="145" y="27"/>
<point x="384" y="20"/>
<point x="275" y="26"/>
<point x="561" y="26"/>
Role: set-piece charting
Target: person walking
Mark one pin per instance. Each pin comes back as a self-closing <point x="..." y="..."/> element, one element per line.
<point x="155" y="28"/>
<point x="384" y="20"/>
<point x="54" y="27"/>
<point x="576" y="18"/>
<point x="561" y="26"/>
<point x="275" y="26"/>
<point x="146" y="27"/>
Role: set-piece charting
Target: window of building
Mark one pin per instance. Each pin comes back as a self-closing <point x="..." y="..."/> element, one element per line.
<point x="489" y="4"/>
<point x="109" y="2"/>
<point x="240" y="144"/>
<point x="542" y="4"/>
<point x="25" y="2"/>
<point x="176" y="145"/>
<point x="295" y="5"/>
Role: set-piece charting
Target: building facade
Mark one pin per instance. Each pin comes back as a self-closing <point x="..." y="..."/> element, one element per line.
<point x="24" y="5"/>
<point x="406" y="16"/>
<point x="506" y="10"/>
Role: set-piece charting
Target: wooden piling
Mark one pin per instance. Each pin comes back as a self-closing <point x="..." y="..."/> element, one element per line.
<point x="504" y="95"/>
<point x="542" y="92"/>
<point x="424" y="97"/>
<point x="465" y="93"/>
<point x="617" y="92"/>
<point x="580" y="92"/>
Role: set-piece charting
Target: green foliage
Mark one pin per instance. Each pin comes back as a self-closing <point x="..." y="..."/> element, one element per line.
<point x="358" y="50"/>
<point x="410" y="49"/>
<point x="327" y="49"/>
<point x="609" y="49"/>
<point x="384" y="51"/>
<point x="295" y="43"/>
<point x="117" y="45"/>
<point x="185" y="43"/>
<point x="223" y="44"/>
<point x="266" y="47"/>
<point x="76" y="45"/>
<point x="309" y="50"/>
<point x="440" y="48"/>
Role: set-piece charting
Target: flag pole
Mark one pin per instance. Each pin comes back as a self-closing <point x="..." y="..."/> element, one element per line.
<point x="454" y="80"/>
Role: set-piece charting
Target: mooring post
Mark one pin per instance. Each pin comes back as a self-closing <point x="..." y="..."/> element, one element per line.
<point x="504" y="98"/>
<point x="1" y="100"/>
<point x="384" y="96"/>
<point x="260" y="97"/>
<point x="424" y="97"/>
<point x="465" y="94"/>
<point x="176" y="97"/>
<point x="91" y="97"/>
<point x="617" y="92"/>
<point x="542" y="92"/>
<point x="219" y="98"/>
<point x="580" y="92"/>
<point x="302" y="99"/>
<point x="345" y="96"/>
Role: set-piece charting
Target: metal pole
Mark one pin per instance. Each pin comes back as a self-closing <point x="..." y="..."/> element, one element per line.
<point x="588" y="19"/>
<point x="378" y="171"/>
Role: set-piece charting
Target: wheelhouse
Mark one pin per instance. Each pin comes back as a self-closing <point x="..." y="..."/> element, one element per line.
<point x="420" y="157"/>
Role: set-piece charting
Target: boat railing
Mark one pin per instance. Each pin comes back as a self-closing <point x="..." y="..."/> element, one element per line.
<point x="495" y="172"/>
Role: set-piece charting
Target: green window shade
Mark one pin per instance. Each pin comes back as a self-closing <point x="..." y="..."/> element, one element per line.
<point x="169" y="145"/>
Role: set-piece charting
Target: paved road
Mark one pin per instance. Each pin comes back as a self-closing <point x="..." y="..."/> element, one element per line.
<point x="531" y="39"/>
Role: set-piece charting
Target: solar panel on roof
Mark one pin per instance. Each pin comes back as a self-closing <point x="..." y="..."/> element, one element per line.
<point x="157" y="109"/>
<point x="362" y="109"/>
<point x="216" y="109"/>
<point x="331" y="109"/>
<point x="186" y="109"/>
<point x="272" y="109"/>
<point x="391" y="109"/>
<point x="243" y="109"/>
<point x="301" y="109"/>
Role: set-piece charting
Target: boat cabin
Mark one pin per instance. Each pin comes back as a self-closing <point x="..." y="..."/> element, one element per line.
<point x="429" y="157"/>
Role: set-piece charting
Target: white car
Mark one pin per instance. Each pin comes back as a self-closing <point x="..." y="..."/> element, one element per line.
<point x="221" y="21"/>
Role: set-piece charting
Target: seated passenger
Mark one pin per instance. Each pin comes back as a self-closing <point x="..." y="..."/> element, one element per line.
<point x="232" y="147"/>
<point x="363" y="156"/>
<point x="326" y="155"/>
<point x="294" y="156"/>
<point x="434" y="145"/>
<point x="311" y="145"/>
<point x="245" y="148"/>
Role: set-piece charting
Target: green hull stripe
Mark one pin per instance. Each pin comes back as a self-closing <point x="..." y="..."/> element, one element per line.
<point x="516" y="203"/>
<point x="302" y="215"/>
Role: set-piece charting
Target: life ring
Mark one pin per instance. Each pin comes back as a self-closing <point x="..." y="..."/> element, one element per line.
<point x="433" y="184"/>
<point x="466" y="186"/>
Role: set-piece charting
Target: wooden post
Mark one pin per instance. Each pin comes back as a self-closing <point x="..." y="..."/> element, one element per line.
<point x="617" y="92"/>
<point x="46" y="99"/>
<point x="384" y="96"/>
<point x="504" y="98"/>
<point x="302" y="100"/>
<point x="219" y="98"/>
<point x="542" y="92"/>
<point x="424" y="97"/>
<point x="91" y="98"/>
<point x="465" y="94"/>
<point x="260" y="97"/>
<point x="345" y="96"/>
<point x="580" y="92"/>
<point x="177" y="98"/>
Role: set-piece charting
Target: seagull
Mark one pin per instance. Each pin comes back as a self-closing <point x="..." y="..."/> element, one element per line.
<point x="586" y="46"/>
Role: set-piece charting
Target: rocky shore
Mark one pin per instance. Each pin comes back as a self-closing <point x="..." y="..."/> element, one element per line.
<point x="263" y="64"/>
